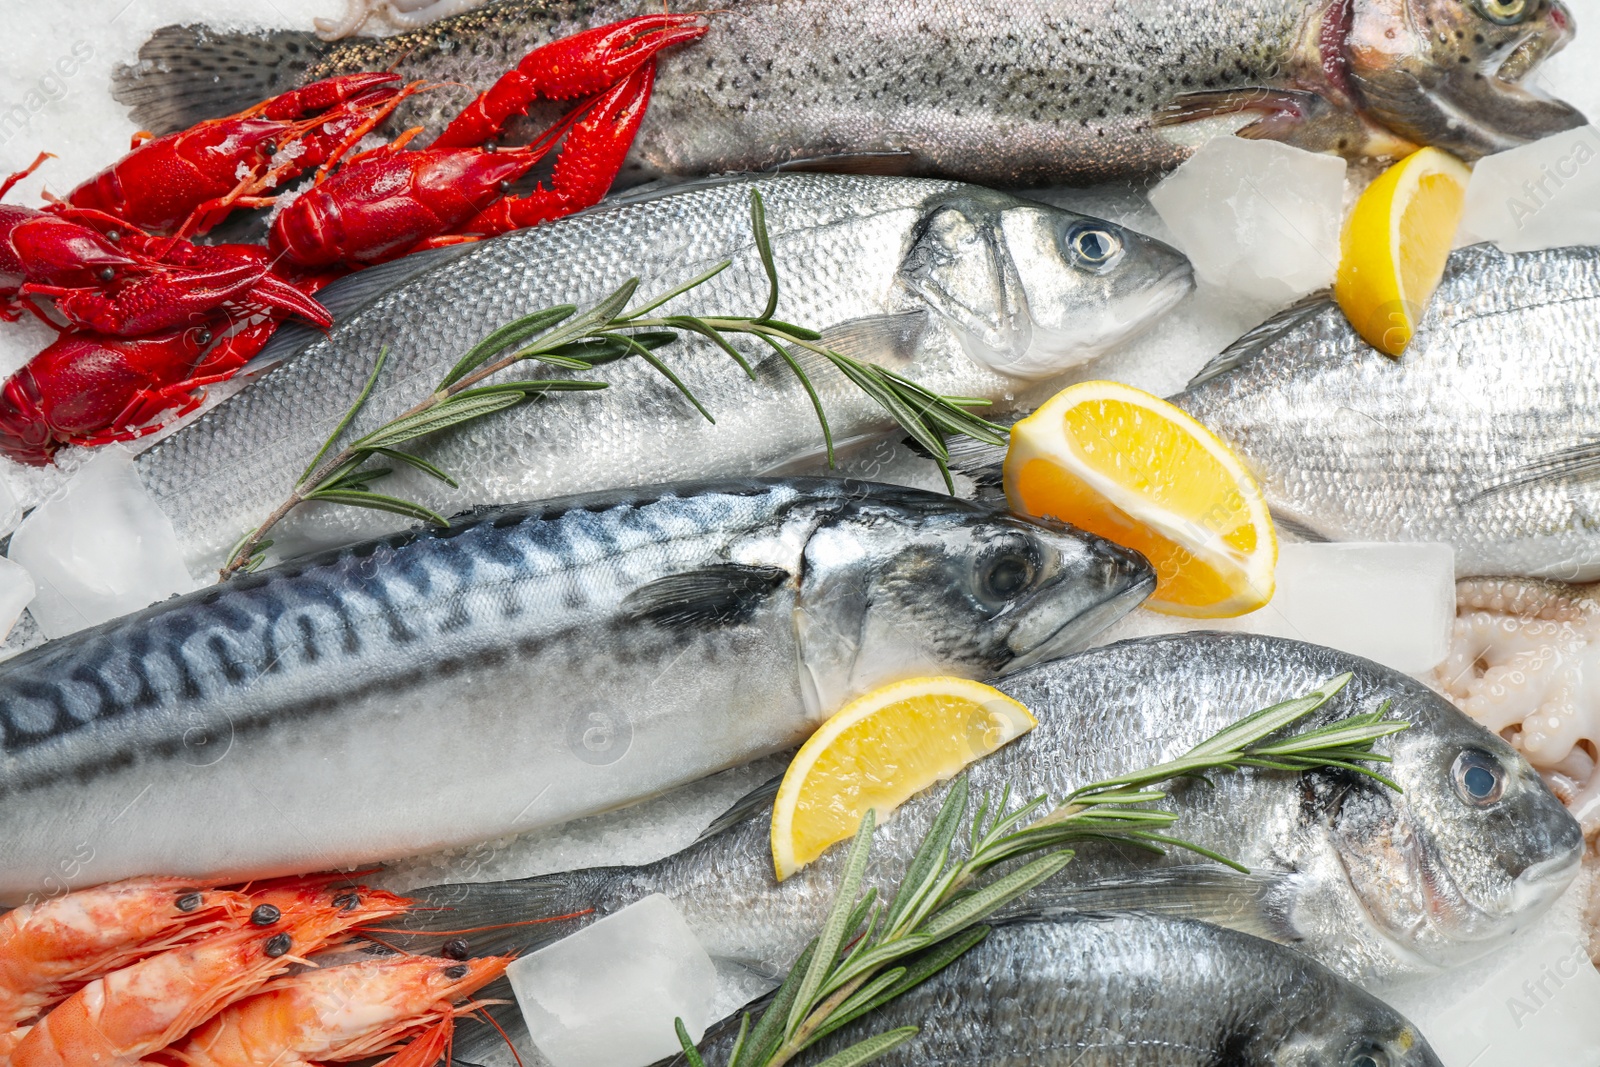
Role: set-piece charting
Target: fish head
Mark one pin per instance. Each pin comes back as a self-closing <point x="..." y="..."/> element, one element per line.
<point x="899" y="586"/>
<point x="1349" y="1027"/>
<point x="1455" y="73"/>
<point x="1031" y="290"/>
<point x="1473" y="849"/>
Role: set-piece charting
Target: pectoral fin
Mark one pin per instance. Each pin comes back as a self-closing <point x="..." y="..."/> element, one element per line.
<point x="1577" y="463"/>
<point x="715" y="596"/>
<point x="890" y="163"/>
<point x="1253" y="903"/>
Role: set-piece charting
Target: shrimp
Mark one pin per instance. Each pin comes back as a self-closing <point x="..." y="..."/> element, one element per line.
<point x="352" y="1011"/>
<point x="116" y="1020"/>
<point x="50" y="948"/>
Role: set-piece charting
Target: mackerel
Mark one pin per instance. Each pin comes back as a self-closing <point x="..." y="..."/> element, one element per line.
<point x="525" y="666"/>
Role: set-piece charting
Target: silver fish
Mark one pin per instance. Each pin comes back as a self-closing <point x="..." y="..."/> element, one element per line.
<point x="969" y="292"/>
<point x="1375" y="884"/>
<point x="1002" y="93"/>
<point x="1132" y="991"/>
<point x="525" y="666"/>
<point x="1483" y="434"/>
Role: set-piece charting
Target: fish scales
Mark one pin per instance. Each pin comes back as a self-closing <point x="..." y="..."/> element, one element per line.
<point x="1373" y="884"/>
<point x="1481" y="435"/>
<point x="922" y="88"/>
<point x="1126" y="990"/>
<point x="847" y="252"/>
<point x="522" y="667"/>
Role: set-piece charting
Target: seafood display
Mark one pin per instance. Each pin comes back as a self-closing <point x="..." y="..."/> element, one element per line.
<point x="418" y="701"/>
<point x="1084" y="92"/>
<point x="1090" y="983"/>
<point x="746" y="610"/>
<point x="1374" y="884"/>
<point x="970" y="292"/>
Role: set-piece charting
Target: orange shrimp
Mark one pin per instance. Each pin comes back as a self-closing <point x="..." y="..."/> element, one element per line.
<point x="116" y="1020"/>
<point x="50" y="948"/>
<point x="352" y="1011"/>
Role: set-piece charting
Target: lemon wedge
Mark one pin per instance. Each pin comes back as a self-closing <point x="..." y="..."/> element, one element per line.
<point x="880" y="749"/>
<point x="1395" y="244"/>
<point x="1116" y="461"/>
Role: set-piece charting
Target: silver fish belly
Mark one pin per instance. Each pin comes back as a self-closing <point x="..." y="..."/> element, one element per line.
<point x="525" y="666"/>
<point x="1374" y="884"/>
<point x="1482" y="435"/>
<point x="1077" y="992"/>
<point x="1017" y="93"/>
<point x="969" y="292"/>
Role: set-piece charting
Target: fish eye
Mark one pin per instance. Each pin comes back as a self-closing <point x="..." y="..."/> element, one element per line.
<point x="1005" y="574"/>
<point x="1092" y="247"/>
<point x="1504" y="12"/>
<point x="1479" y="778"/>
<point x="1366" y="1055"/>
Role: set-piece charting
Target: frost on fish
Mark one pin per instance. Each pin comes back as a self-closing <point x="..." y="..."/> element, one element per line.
<point x="1525" y="661"/>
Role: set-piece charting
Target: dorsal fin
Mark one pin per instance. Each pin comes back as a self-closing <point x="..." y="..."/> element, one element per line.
<point x="1259" y="337"/>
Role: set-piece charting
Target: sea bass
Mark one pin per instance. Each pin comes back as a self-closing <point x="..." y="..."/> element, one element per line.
<point x="1105" y="991"/>
<point x="968" y="292"/>
<point x="1483" y="434"/>
<point x="1001" y="93"/>
<point x="524" y="666"/>
<point x="1375" y="884"/>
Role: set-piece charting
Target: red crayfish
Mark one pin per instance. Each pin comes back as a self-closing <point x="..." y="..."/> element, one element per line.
<point x="151" y="317"/>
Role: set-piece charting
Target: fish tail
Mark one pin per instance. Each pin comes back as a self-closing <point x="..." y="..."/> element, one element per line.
<point x="186" y="74"/>
<point x="497" y="918"/>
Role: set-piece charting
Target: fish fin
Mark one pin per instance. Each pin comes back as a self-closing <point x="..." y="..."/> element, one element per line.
<point x="756" y="802"/>
<point x="186" y="74"/>
<point x="1250" y="903"/>
<point x="347" y="297"/>
<point x="494" y="918"/>
<point x="718" y="595"/>
<point x="1299" y="529"/>
<point x="887" y="340"/>
<point x="1252" y="341"/>
<point x="890" y="163"/>
<point x="1576" y="463"/>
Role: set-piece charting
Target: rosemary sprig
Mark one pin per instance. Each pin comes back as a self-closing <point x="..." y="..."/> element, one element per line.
<point x="869" y="953"/>
<point x="561" y="337"/>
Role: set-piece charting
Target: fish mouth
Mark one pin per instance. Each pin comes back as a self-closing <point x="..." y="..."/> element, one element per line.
<point x="1055" y="623"/>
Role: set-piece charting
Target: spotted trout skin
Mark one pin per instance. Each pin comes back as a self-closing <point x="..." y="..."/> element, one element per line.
<point x="521" y="667"/>
<point x="1000" y="93"/>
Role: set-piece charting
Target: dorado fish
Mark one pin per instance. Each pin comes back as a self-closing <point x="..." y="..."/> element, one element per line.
<point x="1375" y="884"/>
<point x="1483" y="434"/>
<point x="968" y="292"/>
<point x="1105" y="991"/>
<point x="522" y="667"/>
<point x="1001" y="93"/>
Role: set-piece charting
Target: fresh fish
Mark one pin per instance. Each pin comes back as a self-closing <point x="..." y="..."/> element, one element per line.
<point x="1001" y="93"/>
<point x="525" y="666"/>
<point x="1377" y="885"/>
<point x="1484" y="434"/>
<point x="1109" y="991"/>
<point x="969" y="292"/>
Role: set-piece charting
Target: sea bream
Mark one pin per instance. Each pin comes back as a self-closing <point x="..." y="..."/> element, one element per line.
<point x="969" y="292"/>
<point x="1132" y="991"/>
<point x="999" y="92"/>
<point x="525" y="666"/>
<point x="1483" y="434"/>
<point x="1376" y="884"/>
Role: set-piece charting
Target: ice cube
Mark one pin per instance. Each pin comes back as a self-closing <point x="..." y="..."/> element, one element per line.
<point x="1257" y="217"/>
<point x="607" y="995"/>
<point x="1393" y="603"/>
<point x="1531" y="1001"/>
<point x="16" y="590"/>
<point x="1541" y="195"/>
<point x="99" y="549"/>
